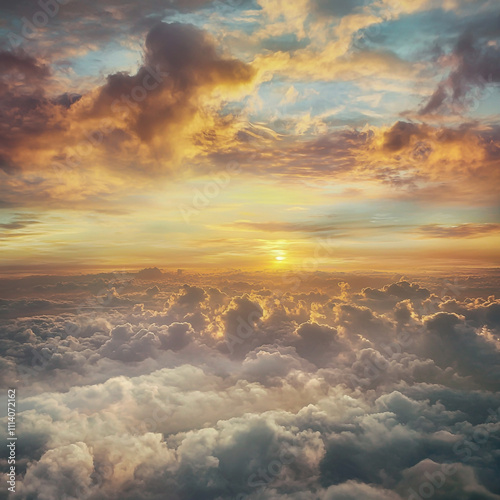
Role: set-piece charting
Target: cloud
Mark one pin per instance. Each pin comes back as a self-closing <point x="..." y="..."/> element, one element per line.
<point x="365" y="393"/>
<point x="62" y="471"/>
<point x="338" y="8"/>
<point x="400" y="135"/>
<point x="274" y="227"/>
<point x="444" y="481"/>
<point x="318" y="343"/>
<point x="184" y="61"/>
<point x="165" y="111"/>
<point x="352" y="490"/>
<point x="161" y="108"/>
<point x="401" y="290"/>
<point x="24" y="64"/>
<point x="459" y="231"/>
<point x="408" y="160"/>
<point x="176" y="336"/>
<point x="452" y="343"/>
<point x="18" y="226"/>
<point x="474" y="66"/>
<point x="15" y="308"/>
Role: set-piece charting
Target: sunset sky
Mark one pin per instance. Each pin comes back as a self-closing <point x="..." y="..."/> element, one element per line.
<point x="249" y="249"/>
<point x="242" y="134"/>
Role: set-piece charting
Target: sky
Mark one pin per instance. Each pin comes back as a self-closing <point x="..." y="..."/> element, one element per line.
<point x="249" y="250"/>
<point x="244" y="134"/>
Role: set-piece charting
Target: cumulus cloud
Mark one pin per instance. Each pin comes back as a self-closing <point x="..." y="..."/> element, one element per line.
<point x="165" y="111"/>
<point x="386" y="393"/>
<point x="180" y="63"/>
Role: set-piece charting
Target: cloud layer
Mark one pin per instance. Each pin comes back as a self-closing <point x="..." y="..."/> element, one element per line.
<point x="142" y="387"/>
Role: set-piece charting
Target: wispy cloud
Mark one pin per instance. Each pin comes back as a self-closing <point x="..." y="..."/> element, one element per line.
<point x="459" y="231"/>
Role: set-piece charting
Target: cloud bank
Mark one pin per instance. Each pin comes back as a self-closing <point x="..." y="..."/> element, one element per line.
<point x="143" y="388"/>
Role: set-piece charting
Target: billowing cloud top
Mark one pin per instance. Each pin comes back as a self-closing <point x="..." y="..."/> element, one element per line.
<point x="147" y="386"/>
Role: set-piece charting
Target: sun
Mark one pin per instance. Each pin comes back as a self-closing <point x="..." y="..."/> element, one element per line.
<point x="278" y="251"/>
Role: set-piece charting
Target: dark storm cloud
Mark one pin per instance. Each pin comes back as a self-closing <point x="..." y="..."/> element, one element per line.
<point x="24" y="64"/>
<point x="477" y="65"/>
